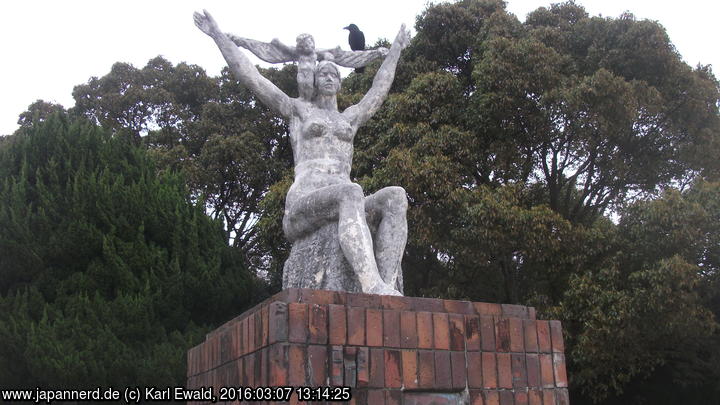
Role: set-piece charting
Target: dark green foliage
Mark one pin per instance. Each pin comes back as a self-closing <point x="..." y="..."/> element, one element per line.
<point x="108" y="274"/>
<point x="230" y="147"/>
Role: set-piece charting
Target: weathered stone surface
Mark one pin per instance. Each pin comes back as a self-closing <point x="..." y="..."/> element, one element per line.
<point x="317" y="261"/>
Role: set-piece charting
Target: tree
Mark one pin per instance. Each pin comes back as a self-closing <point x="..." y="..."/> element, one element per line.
<point x="514" y="140"/>
<point x="643" y="324"/>
<point x="108" y="273"/>
<point x="230" y="147"/>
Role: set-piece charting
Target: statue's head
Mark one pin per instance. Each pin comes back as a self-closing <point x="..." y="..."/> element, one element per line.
<point x="305" y="43"/>
<point x="327" y="78"/>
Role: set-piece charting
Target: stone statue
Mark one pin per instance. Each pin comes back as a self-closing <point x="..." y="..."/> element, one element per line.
<point x="305" y="55"/>
<point x="329" y="221"/>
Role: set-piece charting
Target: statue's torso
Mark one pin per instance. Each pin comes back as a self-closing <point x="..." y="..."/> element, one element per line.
<point x="322" y="143"/>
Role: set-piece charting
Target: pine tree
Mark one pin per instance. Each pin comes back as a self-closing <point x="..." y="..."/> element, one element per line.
<point x="108" y="272"/>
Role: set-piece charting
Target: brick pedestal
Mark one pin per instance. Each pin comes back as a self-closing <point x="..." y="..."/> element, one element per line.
<point x="390" y="350"/>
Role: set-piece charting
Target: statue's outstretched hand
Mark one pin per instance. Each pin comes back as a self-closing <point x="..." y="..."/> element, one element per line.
<point x="206" y="23"/>
<point x="403" y="37"/>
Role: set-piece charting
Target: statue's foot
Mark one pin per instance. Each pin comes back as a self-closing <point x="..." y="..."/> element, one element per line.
<point x="383" y="289"/>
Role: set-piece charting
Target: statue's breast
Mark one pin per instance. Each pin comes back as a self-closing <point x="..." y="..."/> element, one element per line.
<point x="325" y="126"/>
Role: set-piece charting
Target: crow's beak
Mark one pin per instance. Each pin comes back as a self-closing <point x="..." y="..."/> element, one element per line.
<point x="346" y="28"/>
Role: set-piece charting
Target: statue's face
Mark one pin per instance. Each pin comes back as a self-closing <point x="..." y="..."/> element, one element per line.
<point x="327" y="80"/>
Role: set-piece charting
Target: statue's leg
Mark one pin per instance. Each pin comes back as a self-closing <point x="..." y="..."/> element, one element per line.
<point x="344" y="202"/>
<point x="387" y="209"/>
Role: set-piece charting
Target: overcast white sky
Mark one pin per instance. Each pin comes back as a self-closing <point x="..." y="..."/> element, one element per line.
<point x="50" y="46"/>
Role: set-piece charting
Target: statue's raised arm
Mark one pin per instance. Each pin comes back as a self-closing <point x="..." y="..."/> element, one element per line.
<point x="362" y="111"/>
<point x="243" y="69"/>
<point x="272" y="52"/>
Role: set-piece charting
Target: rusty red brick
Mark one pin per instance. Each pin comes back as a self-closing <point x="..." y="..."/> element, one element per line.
<point x="562" y="397"/>
<point x="264" y="326"/>
<point x="543" y="332"/>
<point x="492" y="398"/>
<point x="225" y="346"/>
<point x="521" y="398"/>
<point x="217" y="347"/>
<point x="548" y="397"/>
<point x="514" y="311"/>
<point x="506" y="398"/>
<point x="296" y="365"/>
<point x="487" y="333"/>
<point x="428" y="304"/>
<point x="374" y="327"/>
<point x="363" y="366"/>
<point x="409" y="368"/>
<point x="530" y="335"/>
<point x="240" y="367"/>
<point x="278" y="357"/>
<point x="393" y="367"/>
<point x="317" y="365"/>
<point x="408" y="330"/>
<point x="336" y="366"/>
<point x="257" y="318"/>
<point x="487" y="309"/>
<point x="393" y="397"/>
<point x="425" y="330"/>
<point x="476" y="397"/>
<point x="298" y="321"/>
<point x="489" y="370"/>
<point x="559" y="370"/>
<point x="356" y="326"/>
<point x="235" y="341"/>
<point x="504" y="367"/>
<point x="458" y="307"/>
<point x="517" y="337"/>
<point x="426" y="369"/>
<point x="457" y="332"/>
<point x="502" y="335"/>
<point x="263" y="367"/>
<point x="377" y="368"/>
<point x="535" y="397"/>
<point x="350" y="366"/>
<point x="391" y="328"/>
<point x="359" y="397"/>
<point x="202" y="356"/>
<point x="459" y="370"/>
<point x="472" y="333"/>
<point x="318" y="325"/>
<point x="441" y="331"/>
<point x="244" y="341"/>
<point x="396" y="303"/>
<point x="249" y="369"/>
<point x="519" y="370"/>
<point x="474" y="370"/>
<point x="443" y="370"/>
<point x="533" y="370"/>
<point x="320" y="297"/>
<point x="376" y="397"/>
<point x="556" y="336"/>
<point x="337" y="324"/>
<point x="546" y="371"/>
<point x="359" y="300"/>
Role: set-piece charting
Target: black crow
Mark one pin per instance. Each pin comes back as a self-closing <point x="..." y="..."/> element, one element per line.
<point x="356" y="39"/>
